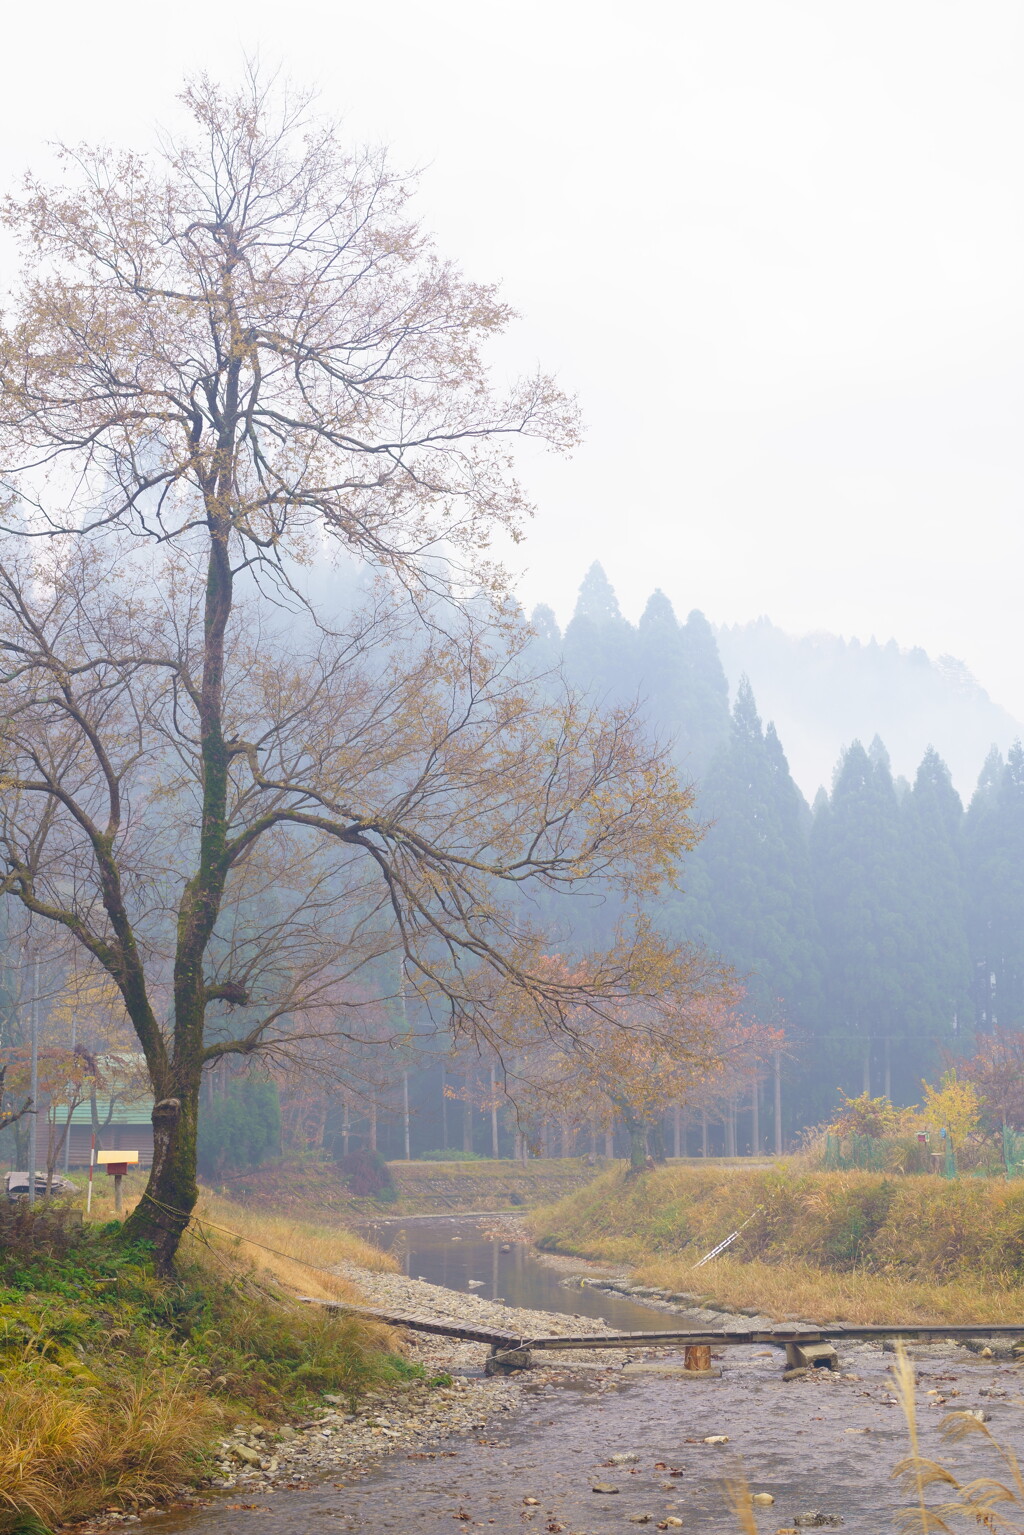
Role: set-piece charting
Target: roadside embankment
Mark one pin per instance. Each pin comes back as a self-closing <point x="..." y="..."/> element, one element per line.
<point x="855" y="1247"/>
<point x="315" y="1187"/>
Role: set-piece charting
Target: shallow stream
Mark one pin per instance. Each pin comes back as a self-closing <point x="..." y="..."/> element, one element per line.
<point x="469" y="1253"/>
<point x="826" y="1443"/>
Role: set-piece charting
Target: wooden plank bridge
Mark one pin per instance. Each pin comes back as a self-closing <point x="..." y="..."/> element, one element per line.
<point x="819" y="1342"/>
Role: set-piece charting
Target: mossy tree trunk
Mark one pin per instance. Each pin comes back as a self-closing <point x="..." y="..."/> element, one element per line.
<point x="636" y="1128"/>
<point x="171" y="1192"/>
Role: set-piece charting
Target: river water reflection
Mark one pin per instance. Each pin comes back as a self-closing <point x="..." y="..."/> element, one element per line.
<point x="465" y="1253"/>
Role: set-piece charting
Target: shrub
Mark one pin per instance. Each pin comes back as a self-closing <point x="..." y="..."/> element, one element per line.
<point x="367" y="1174"/>
<point x="450" y="1154"/>
<point x="864" y="1115"/>
<point x="240" y="1130"/>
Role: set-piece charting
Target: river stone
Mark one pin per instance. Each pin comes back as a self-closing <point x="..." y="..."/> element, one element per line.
<point x="603" y="1487"/>
<point x="671" y="1371"/>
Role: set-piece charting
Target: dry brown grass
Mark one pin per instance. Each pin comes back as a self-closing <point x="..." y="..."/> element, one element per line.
<point x="856" y="1247"/>
<point x="65" y="1453"/>
<point x="297" y="1253"/>
<point x="794" y="1289"/>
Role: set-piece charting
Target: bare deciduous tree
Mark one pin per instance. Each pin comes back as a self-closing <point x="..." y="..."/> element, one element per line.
<point x="233" y="797"/>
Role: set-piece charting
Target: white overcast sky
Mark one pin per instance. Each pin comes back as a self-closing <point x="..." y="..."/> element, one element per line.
<point x="775" y="246"/>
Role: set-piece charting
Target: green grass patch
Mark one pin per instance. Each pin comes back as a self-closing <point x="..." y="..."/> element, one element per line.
<point x="113" y="1382"/>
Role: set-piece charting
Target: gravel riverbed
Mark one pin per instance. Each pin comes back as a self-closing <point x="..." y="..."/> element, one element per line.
<point x="591" y="1441"/>
<point x="414" y="1415"/>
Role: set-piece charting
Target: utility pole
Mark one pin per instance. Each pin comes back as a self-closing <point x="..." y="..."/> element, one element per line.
<point x="405" y="1074"/>
<point x="67" y="1127"/>
<point x="34" y="1123"/>
<point x="494" y="1115"/>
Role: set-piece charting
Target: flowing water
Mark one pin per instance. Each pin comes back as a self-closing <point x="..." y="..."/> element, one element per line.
<point x="824" y="1443"/>
<point x="459" y="1252"/>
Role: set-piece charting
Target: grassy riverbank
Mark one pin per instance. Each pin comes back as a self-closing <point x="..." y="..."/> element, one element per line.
<point x="113" y="1383"/>
<point x="856" y="1247"/>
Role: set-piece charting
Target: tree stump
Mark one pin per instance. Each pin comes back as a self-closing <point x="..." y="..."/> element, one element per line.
<point x="697" y="1356"/>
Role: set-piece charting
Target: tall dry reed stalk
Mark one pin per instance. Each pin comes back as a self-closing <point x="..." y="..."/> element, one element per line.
<point x="986" y="1502"/>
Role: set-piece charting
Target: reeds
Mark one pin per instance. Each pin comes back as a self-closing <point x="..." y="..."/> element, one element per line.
<point x="985" y="1502"/>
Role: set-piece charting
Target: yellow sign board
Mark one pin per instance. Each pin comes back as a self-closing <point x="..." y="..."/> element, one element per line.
<point x="103" y="1158"/>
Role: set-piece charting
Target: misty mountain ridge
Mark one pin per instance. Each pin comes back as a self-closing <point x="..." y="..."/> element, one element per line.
<point x="821" y="691"/>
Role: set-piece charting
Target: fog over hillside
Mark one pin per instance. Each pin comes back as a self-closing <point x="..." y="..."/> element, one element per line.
<point x="823" y="692"/>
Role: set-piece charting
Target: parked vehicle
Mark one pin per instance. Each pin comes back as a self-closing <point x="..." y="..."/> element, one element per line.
<point x="17" y="1186"/>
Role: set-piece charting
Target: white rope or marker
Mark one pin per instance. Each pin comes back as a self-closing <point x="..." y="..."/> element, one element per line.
<point x="723" y="1245"/>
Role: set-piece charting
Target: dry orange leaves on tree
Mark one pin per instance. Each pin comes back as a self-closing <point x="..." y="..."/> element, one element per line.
<point x="236" y="776"/>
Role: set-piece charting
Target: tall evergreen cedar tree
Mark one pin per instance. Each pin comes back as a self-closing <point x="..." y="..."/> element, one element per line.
<point x="885" y="925"/>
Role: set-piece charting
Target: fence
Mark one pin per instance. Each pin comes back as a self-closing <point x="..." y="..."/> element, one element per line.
<point x="873" y="1153"/>
<point x="1013" y="1153"/>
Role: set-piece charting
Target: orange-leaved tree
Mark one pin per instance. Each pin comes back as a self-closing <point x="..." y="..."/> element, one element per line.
<point x="625" y="1058"/>
<point x="232" y="787"/>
